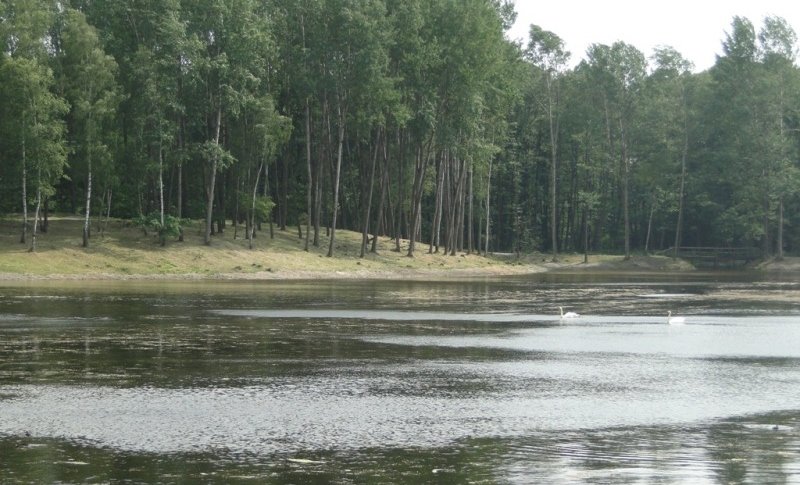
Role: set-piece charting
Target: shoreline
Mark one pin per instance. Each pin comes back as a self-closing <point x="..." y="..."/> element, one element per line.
<point x="123" y="253"/>
<point x="611" y="265"/>
<point x="294" y="275"/>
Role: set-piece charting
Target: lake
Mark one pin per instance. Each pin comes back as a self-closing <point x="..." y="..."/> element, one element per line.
<point x="474" y="381"/>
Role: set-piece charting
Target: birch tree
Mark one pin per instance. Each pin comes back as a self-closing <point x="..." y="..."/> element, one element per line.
<point x="32" y="117"/>
<point x="89" y="78"/>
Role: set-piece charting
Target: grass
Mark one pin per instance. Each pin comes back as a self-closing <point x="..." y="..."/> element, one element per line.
<point x="124" y="251"/>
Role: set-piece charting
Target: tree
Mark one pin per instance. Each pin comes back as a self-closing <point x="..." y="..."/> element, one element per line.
<point x="231" y="66"/>
<point x="32" y="115"/>
<point x="356" y="61"/>
<point x="90" y="87"/>
<point x="32" y="118"/>
<point x="780" y="87"/>
<point x="450" y="99"/>
<point x="665" y="134"/>
<point x="546" y="52"/>
<point x="619" y="71"/>
<point x="734" y="167"/>
<point x="262" y="133"/>
<point x="402" y="118"/>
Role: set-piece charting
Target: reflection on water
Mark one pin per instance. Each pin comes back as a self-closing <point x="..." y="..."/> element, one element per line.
<point x="477" y="381"/>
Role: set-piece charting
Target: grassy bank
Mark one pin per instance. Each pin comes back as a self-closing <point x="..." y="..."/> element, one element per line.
<point x="124" y="251"/>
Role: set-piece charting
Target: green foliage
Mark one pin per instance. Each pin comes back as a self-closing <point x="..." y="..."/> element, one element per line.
<point x="210" y="151"/>
<point x="263" y="208"/>
<point x="260" y="92"/>
<point x="152" y="222"/>
<point x="88" y="79"/>
<point x="31" y="119"/>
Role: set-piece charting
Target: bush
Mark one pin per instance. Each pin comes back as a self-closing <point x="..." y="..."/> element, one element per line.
<point x="170" y="228"/>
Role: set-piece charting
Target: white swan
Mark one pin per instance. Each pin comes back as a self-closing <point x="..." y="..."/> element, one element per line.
<point x="675" y="320"/>
<point x="568" y="314"/>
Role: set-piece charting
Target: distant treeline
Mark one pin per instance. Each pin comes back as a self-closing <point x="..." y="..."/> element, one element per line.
<point x="412" y="119"/>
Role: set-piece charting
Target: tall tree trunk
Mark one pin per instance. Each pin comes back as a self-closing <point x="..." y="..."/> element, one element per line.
<point x="283" y="208"/>
<point x="274" y="208"/>
<point x="251" y="229"/>
<point x="310" y="177"/>
<point x="24" y="236"/>
<point x="36" y="218"/>
<point x="180" y="200"/>
<point x="221" y="199"/>
<point x="210" y="188"/>
<point x="108" y="210"/>
<point x="331" y="165"/>
<point x="479" y="232"/>
<point x="46" y="210"/>
<point x="368" y="208"/>
<point x="99" y="218"/>
<point x="649" y="227"/>
<point x="340" y="145"/>
<point x="452" y="201"/>
<point x="380" y="227"/>
<point x="470" y="217"/>
<point x="602" y="214"/>
<point x="181" y="146"/>
<point x="416" y="198"/>
<point x="586" y="218"/>
<point x="488" y="218"/>
<point x="447" y="196"/>
<point x="88" y="202"/>
<point x="461" y="208"/>
<point x="400" y="191"/>
<point x="318" y="200"/>
<point x="162" y="236"/>
<point x="265" y="193"/>
<point x="321" y="158"/>
<point x="779" y="255"/>
<point x="455" y="196"/>
<point x="553" y="169"/>
<point x="437" y="212"/>
<point x="573" y="230"/>
<point x="391" y="215"/>
<point x="625" y="192"/>
<point x="236" y="205"/>
<point x="767" y="241"/>
<point x="681" y="191"/>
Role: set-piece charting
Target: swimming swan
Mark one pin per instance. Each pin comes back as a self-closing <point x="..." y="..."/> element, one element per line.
<point x="568" y="314"/>
<point x="675" y="320"/>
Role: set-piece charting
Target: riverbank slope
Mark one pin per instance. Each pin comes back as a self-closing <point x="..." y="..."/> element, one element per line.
<point x="123" y="251"/>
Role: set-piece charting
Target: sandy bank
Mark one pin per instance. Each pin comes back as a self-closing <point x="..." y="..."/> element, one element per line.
<point x="491" y="268"/>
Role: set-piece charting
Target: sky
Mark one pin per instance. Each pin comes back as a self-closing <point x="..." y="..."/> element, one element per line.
<point x="696" y="28"/>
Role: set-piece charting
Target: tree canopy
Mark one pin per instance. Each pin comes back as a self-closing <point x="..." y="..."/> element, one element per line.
<point x="404" y="119"/>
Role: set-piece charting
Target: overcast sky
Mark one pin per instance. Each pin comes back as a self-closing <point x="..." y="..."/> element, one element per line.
<point x="695" y="28"/>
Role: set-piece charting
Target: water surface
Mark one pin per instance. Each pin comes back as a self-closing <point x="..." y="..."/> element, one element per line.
<point x="387" y="382"/>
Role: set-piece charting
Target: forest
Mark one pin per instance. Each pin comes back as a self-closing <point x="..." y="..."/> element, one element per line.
<point x="405" y="119"/>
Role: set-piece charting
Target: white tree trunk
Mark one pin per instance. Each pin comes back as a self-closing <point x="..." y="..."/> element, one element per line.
<point x="36" y="220"/>
<point x="88" y="205"/>
<point x="24" y="195"/>
<point x="252" y="227"/>
<point x="213" y="175"/>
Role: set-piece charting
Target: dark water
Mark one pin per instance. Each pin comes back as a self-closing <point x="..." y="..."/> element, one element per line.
<point x="402" y="382"/>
